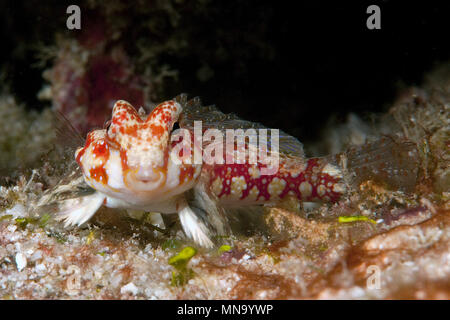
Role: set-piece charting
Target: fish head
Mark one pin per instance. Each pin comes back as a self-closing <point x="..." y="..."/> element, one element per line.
<point x="131" y="157"/>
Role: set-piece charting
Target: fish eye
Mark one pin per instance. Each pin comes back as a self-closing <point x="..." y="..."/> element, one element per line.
<point x="107" y="125"/>
<point x="175" y="126"/>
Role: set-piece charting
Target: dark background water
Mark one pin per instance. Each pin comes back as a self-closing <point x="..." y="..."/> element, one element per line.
<point x="289" y="64"/>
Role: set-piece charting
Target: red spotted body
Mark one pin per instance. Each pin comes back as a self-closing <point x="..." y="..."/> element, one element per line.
<point x="131" y="165"/>
<point x="235" y="184"/>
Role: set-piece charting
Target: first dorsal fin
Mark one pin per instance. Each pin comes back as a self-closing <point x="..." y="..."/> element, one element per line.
<point x="211" y="117"/>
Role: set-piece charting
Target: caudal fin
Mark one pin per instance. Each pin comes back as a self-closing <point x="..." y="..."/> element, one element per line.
<point x="389" y="161"/>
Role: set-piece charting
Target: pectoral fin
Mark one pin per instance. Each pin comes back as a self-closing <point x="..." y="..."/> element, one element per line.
<point x="79" y="210"/>
<point x="202" y="217"/>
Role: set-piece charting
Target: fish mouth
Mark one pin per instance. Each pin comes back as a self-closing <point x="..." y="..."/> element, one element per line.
<point x="144" y="180"/>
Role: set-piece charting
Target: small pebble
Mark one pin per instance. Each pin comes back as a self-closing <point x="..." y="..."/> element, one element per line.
<point x="40" y="268"/>
<point x="21" y="261"/>
<point x="129" y="288"/>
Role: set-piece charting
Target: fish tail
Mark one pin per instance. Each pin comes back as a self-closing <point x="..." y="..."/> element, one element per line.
<point x="391" y="162"/>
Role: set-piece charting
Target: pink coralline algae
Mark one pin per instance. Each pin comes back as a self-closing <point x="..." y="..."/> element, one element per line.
<point x="90" y="73"/>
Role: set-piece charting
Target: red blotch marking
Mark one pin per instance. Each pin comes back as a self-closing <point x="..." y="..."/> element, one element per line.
<point x="157" y="130"/>
<point x="89" y="140"/>
<point x="186" y="171"/>
<point x="101" y="151"/>
<point x="99" y="174"/>
<point x="132" y="130"/>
